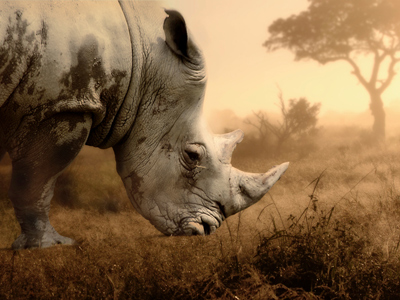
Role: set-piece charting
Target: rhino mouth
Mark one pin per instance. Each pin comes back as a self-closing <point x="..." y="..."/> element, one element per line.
<point x="202" y="225"/>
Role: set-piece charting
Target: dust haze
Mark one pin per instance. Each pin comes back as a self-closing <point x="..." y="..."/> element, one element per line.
<point x="339" y="196"/>
<point x="334" y="129"/>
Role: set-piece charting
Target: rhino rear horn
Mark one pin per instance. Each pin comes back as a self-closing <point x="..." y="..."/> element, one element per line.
<point x="176" y="35"/>
<point x="226" y="143"/>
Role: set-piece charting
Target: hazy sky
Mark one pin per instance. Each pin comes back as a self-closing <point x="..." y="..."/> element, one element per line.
<point x="244" y="77"/>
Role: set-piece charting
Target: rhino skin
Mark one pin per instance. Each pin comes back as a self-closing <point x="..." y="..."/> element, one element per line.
<point x="114" y="74"/>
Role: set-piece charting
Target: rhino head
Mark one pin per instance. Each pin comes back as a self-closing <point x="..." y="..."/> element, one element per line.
<point x="177" y="173"/>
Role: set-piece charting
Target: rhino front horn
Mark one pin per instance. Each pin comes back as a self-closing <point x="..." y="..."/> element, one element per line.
<point x="248" y="188"/>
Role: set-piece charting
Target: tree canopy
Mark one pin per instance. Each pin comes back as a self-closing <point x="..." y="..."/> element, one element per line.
<point x="332" y="30"/>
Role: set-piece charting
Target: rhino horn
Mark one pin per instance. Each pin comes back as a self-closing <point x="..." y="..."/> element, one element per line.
<point x="226" y="143"/>
<point x="248" y="188"/>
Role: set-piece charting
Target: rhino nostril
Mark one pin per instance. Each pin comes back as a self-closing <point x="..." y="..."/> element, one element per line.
<point x="207" y="229"/>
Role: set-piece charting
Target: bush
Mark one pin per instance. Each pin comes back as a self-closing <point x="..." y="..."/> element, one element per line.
<point x="330" y="258"/>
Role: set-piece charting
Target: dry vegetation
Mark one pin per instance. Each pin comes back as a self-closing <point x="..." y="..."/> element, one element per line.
<point x="329" y="229"/>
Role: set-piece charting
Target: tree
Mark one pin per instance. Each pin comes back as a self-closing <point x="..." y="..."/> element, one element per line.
<point x="341" y="30"/>
<point x="297" y="120"/>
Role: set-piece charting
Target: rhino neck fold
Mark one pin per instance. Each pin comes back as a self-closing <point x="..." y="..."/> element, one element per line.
<point x="116" y="119"/>
<point x="124" y="114"/>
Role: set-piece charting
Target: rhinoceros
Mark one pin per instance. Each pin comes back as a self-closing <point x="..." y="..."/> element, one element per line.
<point x="114" y="74"/>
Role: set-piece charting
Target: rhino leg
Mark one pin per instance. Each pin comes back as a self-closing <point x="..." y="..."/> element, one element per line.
<point x="36" y="164"/>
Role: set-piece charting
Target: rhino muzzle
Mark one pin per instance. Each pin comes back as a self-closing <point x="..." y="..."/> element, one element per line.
<point x="205" y="226"/>
<point x="246" y="189"/>
<point x="243" y="190"/>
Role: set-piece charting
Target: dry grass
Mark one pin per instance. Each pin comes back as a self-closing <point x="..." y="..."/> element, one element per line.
<point x="328" y="229"/>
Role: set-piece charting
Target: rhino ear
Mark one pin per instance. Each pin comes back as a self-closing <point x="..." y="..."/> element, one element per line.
<point x="176" y="35"/>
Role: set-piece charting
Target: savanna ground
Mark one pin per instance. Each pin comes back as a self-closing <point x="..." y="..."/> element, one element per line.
<point x="329" y="229"/>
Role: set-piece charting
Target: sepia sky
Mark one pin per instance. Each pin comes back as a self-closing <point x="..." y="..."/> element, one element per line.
<point x="244" y="77"/>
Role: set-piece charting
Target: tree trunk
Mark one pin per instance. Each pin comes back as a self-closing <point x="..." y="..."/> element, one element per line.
<point x="379" y="115"/>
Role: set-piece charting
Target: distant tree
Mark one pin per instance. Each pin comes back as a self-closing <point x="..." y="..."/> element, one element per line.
<point x="334" y="30"/>
<point x="298" y="119"/>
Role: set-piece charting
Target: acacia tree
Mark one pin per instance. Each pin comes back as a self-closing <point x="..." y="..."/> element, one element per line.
<point x="341" y="30"/>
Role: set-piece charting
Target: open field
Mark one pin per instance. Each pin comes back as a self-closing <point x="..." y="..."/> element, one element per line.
<point x="330" y="228"/>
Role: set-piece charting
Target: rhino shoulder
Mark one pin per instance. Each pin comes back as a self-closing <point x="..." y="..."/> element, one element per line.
<point x="63" y="56"/>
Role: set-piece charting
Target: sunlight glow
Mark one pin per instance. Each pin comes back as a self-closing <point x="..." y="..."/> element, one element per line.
<point x="244" y="77"/>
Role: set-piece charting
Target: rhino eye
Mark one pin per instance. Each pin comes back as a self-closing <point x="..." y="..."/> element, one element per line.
<point x="193" y="156"/>
<point x="193" y="153"/>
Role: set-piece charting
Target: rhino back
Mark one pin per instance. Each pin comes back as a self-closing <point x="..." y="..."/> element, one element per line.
<point x="63" y="56"/>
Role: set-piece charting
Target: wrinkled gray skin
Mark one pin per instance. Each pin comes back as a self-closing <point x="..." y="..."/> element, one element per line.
<point x="114" y="74"/>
